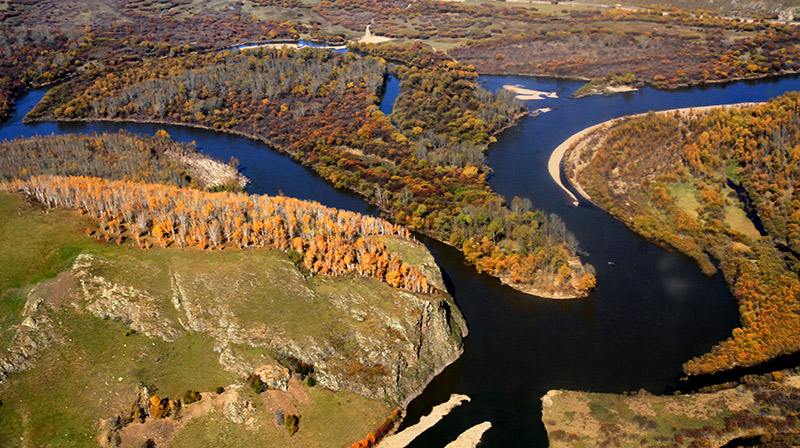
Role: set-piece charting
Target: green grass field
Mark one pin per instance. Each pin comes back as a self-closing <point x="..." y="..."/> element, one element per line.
<point x="97" y="368"/>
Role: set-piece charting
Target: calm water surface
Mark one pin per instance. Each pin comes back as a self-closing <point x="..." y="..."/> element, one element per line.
<point x="652" y="309"/>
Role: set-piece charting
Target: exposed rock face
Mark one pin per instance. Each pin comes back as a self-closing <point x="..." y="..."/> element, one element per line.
<point x="275" y="377"/>
<point x="348" y="333"/>
<point x="137" y="309"/>
<point x="37" y="330"/>
<point x="426" y="341"/>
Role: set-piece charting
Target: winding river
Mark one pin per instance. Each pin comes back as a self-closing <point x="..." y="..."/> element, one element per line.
<point x="652" y="310"/>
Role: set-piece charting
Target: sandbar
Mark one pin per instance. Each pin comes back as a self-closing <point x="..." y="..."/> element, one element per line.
<point x="471" y="437"/>
<point x="620" y="89"/>
<point x="528" y="94"/>
<point x="403" y="438"/>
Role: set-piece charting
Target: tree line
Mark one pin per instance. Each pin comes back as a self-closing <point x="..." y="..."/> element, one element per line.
<point x="321" y="107"/>
<point x="320" y="239"/>
<point x="120" y="156"/>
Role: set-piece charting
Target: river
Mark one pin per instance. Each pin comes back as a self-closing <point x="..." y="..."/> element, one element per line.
<point x="652" y="309"/>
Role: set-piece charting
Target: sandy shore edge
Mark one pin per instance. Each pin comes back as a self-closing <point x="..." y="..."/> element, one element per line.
<point x="556" y="160"/>
<point x="403" y="438"/>
<point x="529" y="94"/>
<point x="471" y="437"/>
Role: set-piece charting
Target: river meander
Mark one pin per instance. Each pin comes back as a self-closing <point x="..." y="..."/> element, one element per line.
<point x="652" y="310"/>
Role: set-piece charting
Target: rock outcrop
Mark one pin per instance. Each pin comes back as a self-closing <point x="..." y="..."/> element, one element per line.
<point x="37" y="330"/>
<point x="350" y="333"/>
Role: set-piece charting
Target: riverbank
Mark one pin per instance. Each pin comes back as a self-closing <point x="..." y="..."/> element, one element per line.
<point x="577" y="151"/>
<point x="99" y="295"/>
<point x="678" y="179"/>
<point x="545" y="289"/>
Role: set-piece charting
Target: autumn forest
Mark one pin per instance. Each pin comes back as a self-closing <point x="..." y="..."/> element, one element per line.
<point x="722" y="186"/>
<point x="328" y="322"/>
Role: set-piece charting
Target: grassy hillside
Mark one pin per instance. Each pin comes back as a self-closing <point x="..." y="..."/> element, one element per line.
<point x="119" y="318"/>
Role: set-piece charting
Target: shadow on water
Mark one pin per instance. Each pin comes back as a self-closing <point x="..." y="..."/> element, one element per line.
<point x="652" y="310"/>
<point x="390" y="91"/>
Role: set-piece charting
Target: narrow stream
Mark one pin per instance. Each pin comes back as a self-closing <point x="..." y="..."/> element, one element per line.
<point x="652" y="310"/>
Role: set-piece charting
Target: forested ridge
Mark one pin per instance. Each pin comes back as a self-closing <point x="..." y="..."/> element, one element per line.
<point x="120" y="156"/>
<point x="694" y="192"/>
<point x="320" y="107"/>
<point x="321" y="239"/>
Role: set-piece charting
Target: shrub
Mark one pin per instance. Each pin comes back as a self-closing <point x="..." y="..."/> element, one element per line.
<point x="291" y="421"/>
<point x="256" y="383"/>
<point x="191" y="396"/>
<point x="159" y="407"/>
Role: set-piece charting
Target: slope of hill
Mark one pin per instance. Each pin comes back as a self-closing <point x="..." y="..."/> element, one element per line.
<point x="129" y="323"/>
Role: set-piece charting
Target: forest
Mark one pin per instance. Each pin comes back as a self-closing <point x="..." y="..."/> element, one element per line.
<point x="44" y="42"/>
<point x="659" y="56"/>
<point x="426" y="173"/>
<point x="121" y="156"/>
<point x="320" y="239"/>
<point x="321" y="107"/>
<point x="722" y="185"/>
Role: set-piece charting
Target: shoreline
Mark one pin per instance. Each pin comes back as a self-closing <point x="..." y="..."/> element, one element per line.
<point x="669" y="87"/>
<point x="522" y="93"/>
<point x="525" y="289"/>
<point x="403" y="438"/>
<point x="571" y="151"/>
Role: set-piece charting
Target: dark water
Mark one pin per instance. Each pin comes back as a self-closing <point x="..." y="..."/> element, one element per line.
<point x="390" y="91"/>
<point x="652" y="310"/>
<point x="271" y="172"/>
